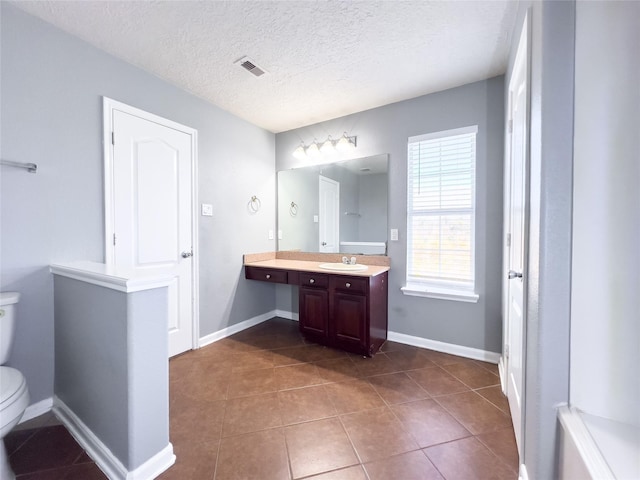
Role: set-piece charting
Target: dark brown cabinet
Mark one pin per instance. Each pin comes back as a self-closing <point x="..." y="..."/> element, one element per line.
<point x="341" y="311"/>
<point x="349" y="320"/>
<point x="314" y="304"/>
<point x="355" y="309"/>
<point x="273" y="275"/>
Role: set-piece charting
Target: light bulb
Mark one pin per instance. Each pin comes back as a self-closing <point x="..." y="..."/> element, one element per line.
<point x="327" y="147"/>
<point x="345" y="144"/>
<point x="299" y="152"/>
<point x="313" y="151"/>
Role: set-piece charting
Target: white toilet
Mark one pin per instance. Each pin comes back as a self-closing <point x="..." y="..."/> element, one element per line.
<point x="14" y="395"/>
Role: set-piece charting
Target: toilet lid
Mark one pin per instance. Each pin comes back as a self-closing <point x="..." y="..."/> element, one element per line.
<point x="11" y="381"/>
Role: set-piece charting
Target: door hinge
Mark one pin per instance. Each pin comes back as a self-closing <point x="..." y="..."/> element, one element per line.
<point x="510" y="126"/>
<point x="113" y="138"/>
<point x="114" y="238"/>
<point x="508" y="239"/>
<point x="506" y="351"/>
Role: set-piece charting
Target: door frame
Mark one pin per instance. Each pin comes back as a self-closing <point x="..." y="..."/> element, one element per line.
<point x="108" y="107"/>
<point x="523" y="54"/>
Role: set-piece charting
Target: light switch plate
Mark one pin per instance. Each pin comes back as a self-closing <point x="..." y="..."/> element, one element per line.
<point x="279" y="234"/>
<point x="207" y="210"/>
<point x="394" y="234"/>
<point x="315" y="219"/>
<point x="270" y="234"/>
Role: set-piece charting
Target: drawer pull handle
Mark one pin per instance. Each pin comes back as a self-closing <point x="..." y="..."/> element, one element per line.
<point x="348" y="285"/>
<point x="268" y="276"/>
<point x="311" y="280"/>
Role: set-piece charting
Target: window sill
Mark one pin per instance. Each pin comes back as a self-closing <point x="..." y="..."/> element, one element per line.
<point x="441" y="293"/>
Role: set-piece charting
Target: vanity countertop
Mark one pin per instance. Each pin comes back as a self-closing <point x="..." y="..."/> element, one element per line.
<point x="311" y="266"/>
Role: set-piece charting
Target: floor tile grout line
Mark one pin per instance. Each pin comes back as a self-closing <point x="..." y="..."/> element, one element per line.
<point x="455" y="417"/>
<point x="501" y="459"/>
<point x="431" y="461"/>
<point x="215" y="467"/>
<point x="23" y="443"/>
<point x="286" y="443"/>
<point x="467" y="385"/>
<point x="353" y="447"/>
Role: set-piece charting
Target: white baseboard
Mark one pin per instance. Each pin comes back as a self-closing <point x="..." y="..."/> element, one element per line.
<point x="451" y="348"/>
<point x="37" y="409"/>
<point x="461" y="351"/>
<point x="288" y="315"/>
<point x="502" y="371"/>
<point x="238" y="327"/>
<point x="104" y="458"/>
<point x="522" y="474"/>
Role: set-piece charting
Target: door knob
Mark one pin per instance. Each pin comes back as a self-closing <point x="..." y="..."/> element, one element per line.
<point x="187" y="254"/>
<point x="324" y="244"/>
<point x="513" y="274"/>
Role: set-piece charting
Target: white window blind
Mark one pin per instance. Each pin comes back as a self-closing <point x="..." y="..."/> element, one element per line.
<point x="441" y="210"/>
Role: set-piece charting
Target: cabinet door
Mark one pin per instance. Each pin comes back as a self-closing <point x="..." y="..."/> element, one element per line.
<point x="349" y="319"/>
<point x="314" y="311"/>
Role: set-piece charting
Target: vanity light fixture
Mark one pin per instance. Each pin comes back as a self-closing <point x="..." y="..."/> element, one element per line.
<point x="313" y="151"/>
<point x="299" y="152"/>
<point x="346" y="143"/>
<point x="327" y="148"/>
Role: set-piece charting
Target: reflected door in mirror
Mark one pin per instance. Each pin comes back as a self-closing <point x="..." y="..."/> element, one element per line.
<point x="329" y="215"/>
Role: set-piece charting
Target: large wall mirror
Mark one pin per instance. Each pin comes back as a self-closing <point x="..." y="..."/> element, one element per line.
<point x="335" y="208"/>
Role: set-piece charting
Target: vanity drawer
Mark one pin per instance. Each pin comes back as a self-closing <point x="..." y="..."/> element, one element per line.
<point x="265" y="274"/>
<point x="350" y="284"/>
<point x="318" y="280"/>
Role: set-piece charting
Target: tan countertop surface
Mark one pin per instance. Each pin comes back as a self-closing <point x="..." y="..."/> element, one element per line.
<point x="308" y="266"/>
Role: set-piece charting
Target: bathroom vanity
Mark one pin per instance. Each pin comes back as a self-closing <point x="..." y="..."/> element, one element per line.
<point x="346" y="310"/>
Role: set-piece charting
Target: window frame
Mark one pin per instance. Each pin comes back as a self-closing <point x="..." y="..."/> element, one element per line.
<point x="442" y="288"/>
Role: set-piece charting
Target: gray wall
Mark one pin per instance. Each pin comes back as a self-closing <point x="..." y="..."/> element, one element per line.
<point x="299" y="231"/>
<point x="386" y="130"/>
<point x="111" y="365"/>
<point x="372" y="201"/>
<point x="548" y="272"/>
<point x="51" y="87"/>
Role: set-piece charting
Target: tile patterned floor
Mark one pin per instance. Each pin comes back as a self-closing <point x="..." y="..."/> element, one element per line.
<point x="264" y="404"/>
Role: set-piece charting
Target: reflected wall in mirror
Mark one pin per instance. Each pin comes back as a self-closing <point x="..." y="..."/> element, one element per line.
<point x="356" y="216"/>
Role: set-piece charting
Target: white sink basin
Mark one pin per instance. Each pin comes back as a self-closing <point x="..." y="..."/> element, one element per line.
<point x="343" y="267"/>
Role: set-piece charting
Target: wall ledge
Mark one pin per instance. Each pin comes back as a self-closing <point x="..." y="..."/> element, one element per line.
<point x="607" y="448"/>
<point x="110" y="276"/>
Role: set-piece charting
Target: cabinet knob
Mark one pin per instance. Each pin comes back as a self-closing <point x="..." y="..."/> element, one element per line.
<point x="268" y="276"/>
<point x="348" y="285"/>
<point x="311" y="280"/>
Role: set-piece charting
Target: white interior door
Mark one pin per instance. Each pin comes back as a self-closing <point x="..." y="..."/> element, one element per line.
<point x="152" y="219"/>
<point x="516" y="211"/>
<point x="329" y="215"/>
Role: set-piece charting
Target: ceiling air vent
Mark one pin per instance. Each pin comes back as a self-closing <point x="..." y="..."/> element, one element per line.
<point x="250" y="66"/>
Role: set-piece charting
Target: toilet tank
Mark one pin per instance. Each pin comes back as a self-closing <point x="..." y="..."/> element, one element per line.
<point x="8" y="301"/>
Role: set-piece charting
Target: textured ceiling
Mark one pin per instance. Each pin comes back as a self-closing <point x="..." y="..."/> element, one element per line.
<point x="324" y="59"/>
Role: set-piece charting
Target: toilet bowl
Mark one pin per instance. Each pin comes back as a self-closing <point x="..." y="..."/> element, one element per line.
<point x="14" y="395"/>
